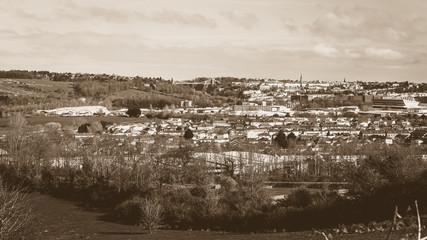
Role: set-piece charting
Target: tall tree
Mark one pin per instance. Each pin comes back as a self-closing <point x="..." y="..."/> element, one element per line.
<point x="188" y="134"/>
<point x="281" y="140"/>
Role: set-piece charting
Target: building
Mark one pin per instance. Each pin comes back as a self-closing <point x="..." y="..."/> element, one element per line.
<point x="187" y="103"/>
<point x="299" y="98"/>
<point x="395" y="103"/>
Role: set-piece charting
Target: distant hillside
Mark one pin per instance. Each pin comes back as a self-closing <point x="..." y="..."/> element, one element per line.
<point x="33" y="87"/>
<point x="29" y="95"/>
<point x="26" y="91"/>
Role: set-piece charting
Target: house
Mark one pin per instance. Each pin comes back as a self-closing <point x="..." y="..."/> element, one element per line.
<point x="205" y="127"/>
<point x="221" y="123"/>
<point x="265" y="136"/>
<point x="253" y="133"/>
<point x="265" y="125"/>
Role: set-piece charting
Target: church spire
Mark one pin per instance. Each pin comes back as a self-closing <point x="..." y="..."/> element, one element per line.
<point x="300" y="80"/>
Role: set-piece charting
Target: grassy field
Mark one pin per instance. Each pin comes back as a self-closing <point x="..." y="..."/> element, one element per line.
<point x="27" y="87"/>
<point x="59" y="219"/>
<point x="141" y="94"/>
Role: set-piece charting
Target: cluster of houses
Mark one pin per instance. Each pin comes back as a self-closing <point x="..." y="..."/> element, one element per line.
<point x="263" y="129"/>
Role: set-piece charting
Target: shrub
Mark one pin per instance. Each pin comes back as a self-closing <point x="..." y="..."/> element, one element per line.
<point x="199" y="192"/>
<point x="84" y="128"/>
<point x="299" y="198"/>
<point x="188" y="134"/>
<point x="151" y="214"/>
<point x="134" y="112"/>
<point x="129" y="211"/>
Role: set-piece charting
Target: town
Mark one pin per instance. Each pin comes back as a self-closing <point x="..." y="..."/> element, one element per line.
<point x="78" y="135"/>
<point x="242" y="119"/>
<point x="317" y="117"/>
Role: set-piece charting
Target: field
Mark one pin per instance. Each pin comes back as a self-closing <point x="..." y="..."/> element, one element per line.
<point x="66" y="121"/>
<point x="135" y="93"/>
<point x="33" y="87"/>
<point x="59" y="219"/>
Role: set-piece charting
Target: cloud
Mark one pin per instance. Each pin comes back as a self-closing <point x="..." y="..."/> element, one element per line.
<point x="289" y="25"/>
<point x="107" y="14"/>
<point x="355" y="23"/>
<point x="383" y="53"/>
<point x="8" y="33"/>
<point x="174" y="17"/>
<point x="232" y="37"/>
<point x="28" y="15"/>
<point x="325" y="51"/>
<point x="352" y="53"/>
<point x="74" y="12"/>
<point x="245" y="20"/>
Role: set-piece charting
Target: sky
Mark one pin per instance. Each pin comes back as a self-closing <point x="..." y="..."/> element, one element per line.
<point x="381" y="40"/>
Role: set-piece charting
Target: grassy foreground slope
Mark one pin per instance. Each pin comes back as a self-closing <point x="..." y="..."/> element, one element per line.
<point x="60" y="219"/>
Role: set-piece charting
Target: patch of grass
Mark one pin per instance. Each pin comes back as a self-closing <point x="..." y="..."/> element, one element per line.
<point x="39" y="87"/>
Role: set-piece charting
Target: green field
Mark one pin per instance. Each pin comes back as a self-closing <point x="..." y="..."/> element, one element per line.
<point x="59" y="219"/>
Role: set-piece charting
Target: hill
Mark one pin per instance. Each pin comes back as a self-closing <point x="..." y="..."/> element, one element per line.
<point x="33" y="87"/>
<point x="29" y="95"/>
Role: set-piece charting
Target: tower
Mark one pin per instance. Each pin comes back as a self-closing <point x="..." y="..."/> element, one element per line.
<point x="300" y="84"/>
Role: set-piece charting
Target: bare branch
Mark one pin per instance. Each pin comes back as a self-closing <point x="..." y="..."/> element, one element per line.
<point x="419" y="220"/>
<point x="396" y="214"/>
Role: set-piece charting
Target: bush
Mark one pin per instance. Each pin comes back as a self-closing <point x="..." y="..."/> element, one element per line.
<point x="188" y="134"/>
<point x="134" y="112"/>
<point x="299" y="198"/>
<point x="84" y="128"/>
<point x="129" y="211"/>
<point x="151" y="214"/>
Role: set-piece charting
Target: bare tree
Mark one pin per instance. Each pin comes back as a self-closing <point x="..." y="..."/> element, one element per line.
<point x="15" y="213"/>
<point x="16" y="139"/>
<point x="151" y="214"/>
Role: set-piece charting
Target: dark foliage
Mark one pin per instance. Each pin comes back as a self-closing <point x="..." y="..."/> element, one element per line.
<point x="281" y="140"/>
<point x="152" y="101"/>
<point x="134" y="112"/>
<point x="23" y="74"/>
<point x="188" y="134"/>
<point x="84" y="128"/>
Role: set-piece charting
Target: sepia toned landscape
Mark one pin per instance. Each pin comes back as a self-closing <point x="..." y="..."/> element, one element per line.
<point x="213" y="120"/>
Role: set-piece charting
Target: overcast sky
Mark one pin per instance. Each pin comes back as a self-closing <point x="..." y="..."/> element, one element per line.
<point x="381" y="40"/>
